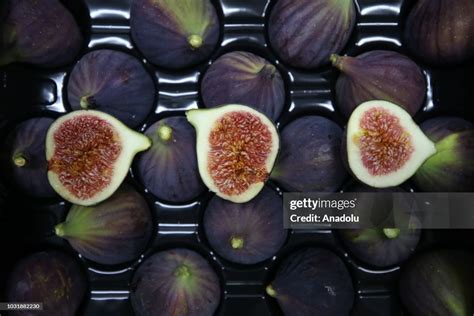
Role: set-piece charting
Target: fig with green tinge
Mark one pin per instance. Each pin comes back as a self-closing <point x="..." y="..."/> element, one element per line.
<point x="244" y="78"/>
<point x="49" y="277"/>
<point x="112" y="82"/>
<point x="379" y="75"/>
<point x="24" y="160"/>
<point x="439" y="283"/>
<point x="310" y="161"/>
<point x="175" y="282"/>
<point x="89" y="154"/>
<point x="43" y="33"/>
<point x="246" y="233"/>
<point x="236" y="149"/>
<point x="452" y="168"/>
<point x="174" y="33"/>
<point x="313" y="281"/>
<point x="384" y="146"/>
<point x="169" y="169"/>
<point x="112" y="232"/>
<point x="304" y="33"/>
<point x="441" y="31"/>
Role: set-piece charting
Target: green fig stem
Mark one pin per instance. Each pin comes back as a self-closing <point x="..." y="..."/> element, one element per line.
<point x="391" y="233"/>
<point x="336" y="61"/>
<point x="271" y="291"/>
<point x="268" y="71"/>
<point x="59" y="230"/>
<point x="165" y="132"/>
<point x="182" y="272"/>
<point x="20" y="160"/>
<point x="84" y="103"/>
<point x="237" y="242"/>
<point x="195" y="41"/>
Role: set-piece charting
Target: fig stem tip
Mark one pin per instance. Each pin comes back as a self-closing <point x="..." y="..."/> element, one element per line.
<point x="19" y="160"/>
<point x="237" y="242"/>
<point x="59" y="230"/>
<point x="84" y="102"/>
<point x="336" y="60"/>
<point x="270" y="291"/>
<point x="391" y="233"/>
<point x="195" y="41"/>
<point x="182" y="271"/>
<point x="165" y="132"/>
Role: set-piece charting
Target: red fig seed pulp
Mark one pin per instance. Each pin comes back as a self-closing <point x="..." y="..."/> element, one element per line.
<point x="240" y="145"/>
<point x="84" y="160"/>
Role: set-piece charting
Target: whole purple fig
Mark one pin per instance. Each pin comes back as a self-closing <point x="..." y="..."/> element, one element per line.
<point x="48" y="277"/>
<point x="304" y="33"/>
<point x="379" y="75"/>
<point x="43" y="33"/>
<point x="24" y="157"/>
<point x="451" y="169"/>
<point x="244" y="78"/>
<point x="169" y="169"/>
<point x="112" y="232"/>
<point x="174" y="34"/>
<point x="441" y="31"/>
<point x="112" y="82"/>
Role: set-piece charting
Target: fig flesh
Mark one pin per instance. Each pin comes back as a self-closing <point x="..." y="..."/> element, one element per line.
<point x="379" y="75"/>
<point x="304" y="33"/>
<point x="244" y="78"/>
<point x="451" y="169"/>
<point x="174" y="34"/>
<point x="49" y="277"/>
<point x="24" y="159"/>
<point x="385" y="147"/>
<point x="112" y="232"/>
<point x="29" y="33"/>
<point x="89" y="154"/>
<point x="441" y="31"/>
<point x="112" y="82"/>
<point x="169" y="169"/>
<point x="175" y="282"/>
<point x="310" y="161"/>
<point x="313" y="281"/>
<point x="246" y="233"/>
<point x="236" y="149"/>
<point x="439" y="283"/>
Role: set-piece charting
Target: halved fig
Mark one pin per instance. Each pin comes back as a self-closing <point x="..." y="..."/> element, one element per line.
<point x="89" y="154"/>
<point x="236" y="149"/>
<point x="384" y="146"/>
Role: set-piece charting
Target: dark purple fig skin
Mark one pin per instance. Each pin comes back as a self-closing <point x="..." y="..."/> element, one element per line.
<point x="313" y="281"/>
<point x="246" y="233"/>
<point x="112" y="82"/>
<point x="379" y="75"/>
<point x="310" y="161"/>
<point x="24" y="158"/>
<point x="439" y="283"/>
<point x="43" y="33"/>
<point x="164" y="38"/>
<point x="451" y="169"/>
<point x="48" y="277"/>
<point x="441" y="31"/>
<point x="169" y="168"/>
<point x="112" y="232"/>
<point x="244" y="78"/>
<point x="175" y="282"/>
<point x="304" y="33"/>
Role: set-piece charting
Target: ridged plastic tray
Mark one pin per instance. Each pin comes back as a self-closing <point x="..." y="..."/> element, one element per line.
<point x="26" y="225"/>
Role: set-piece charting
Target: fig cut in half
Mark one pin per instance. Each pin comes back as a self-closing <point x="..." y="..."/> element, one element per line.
<point x="385" y="147"/>
<point x="236" y="149"/>
<point x="89" y="154"/>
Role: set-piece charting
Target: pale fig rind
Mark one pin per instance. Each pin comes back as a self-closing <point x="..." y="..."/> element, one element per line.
<point x="126" y="144"/>
<point x="244" y="78"/>
<point x="379" y="75"/>
<point x="205" y="121"/>
<point x="441" y="31"/>
<point x="174" y="34"/>
<point x="169" y="169"/>
<point x="112" y="82"/>
<point x="29" y="33"/>
<point x="112" y="232"/>
<point x="304" y="33"/>
<point x="412" y="145"/>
